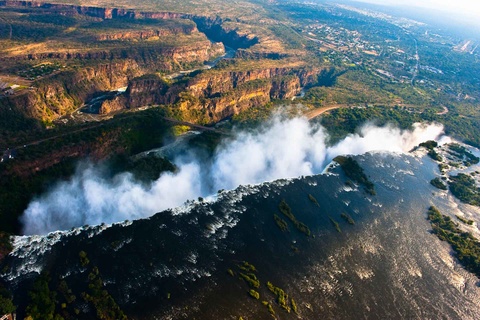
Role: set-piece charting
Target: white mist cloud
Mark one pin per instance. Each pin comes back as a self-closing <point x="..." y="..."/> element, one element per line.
<point x="281" y="149"/>
<point x="388" y="138"/>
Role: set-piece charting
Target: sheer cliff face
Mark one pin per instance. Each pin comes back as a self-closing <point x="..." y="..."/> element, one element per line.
<point x="124" y="55"/>
<point x="109" y="59"/>
<point x="230" y="93"/>
<point x="62" y="93"/>
<point x="220" y="94"/>
<point x="379" y="266"/>
<point x="120" y="57"/>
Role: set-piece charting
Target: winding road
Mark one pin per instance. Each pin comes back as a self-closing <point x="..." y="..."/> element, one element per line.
<point x="318" y="111"/>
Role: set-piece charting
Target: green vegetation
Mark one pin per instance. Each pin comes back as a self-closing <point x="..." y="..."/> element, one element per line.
<point x="282" y="297"/>
<point x="247" y="267"/>
<point x="206" y="141"/>
<point x="335" y="224"/>
<point x="254" y="116"/>
<point x="288" y="35"/>
<point x="464" y="188"/>
<point x="430" y="144"/>
<point x="54" y="299"/>
<point x="6" y="303"/>
<point x="312" y="198"/>
<point x="39" y="71"/>
<point x="353" y="171"/>
<point x="347" y="218"/>
<point x="84" y="261"/>
<point x="106" y="308"/>
<point x="434" y="155"/>
<point x="442" y="167"/>
<point x="42" y="300"/>
<point x="231" y="272"/>
<point x="438" y="183"/>
<point x="251" y="279"/>
<point x="469" y="222"/>
<point x="466" y="247"/>
<point x="254" y="290"/>
<point x="65" y="300"/>
<point x="343" y="121"/>
<point x="269" y="307"/>
<point x="254" y="294"/>
<point x="285" y="209"/>
<point x="294" y="306"/>
<point x="462" y="153"/>
<point x="282" y="224"/>
<point x="37" y="167"/>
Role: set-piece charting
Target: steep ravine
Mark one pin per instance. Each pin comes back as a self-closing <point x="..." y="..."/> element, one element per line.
<point x="105" y="70"/>
<point x="63" y="92"/>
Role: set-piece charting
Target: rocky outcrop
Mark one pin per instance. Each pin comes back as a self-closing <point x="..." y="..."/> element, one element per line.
<point x="212" y="96"/>
<point x="247" y="95"/>
<point x="200" y="52"/>
<point x="97" y="12"/>
<point x="213" y="83"/>
<point x="285" y="87"/>
<point x="111" y="105"/>
<point x="214" y="28"/>
<point x="145" y="34"/>
<point x="149" y="56"/>
<point x="247" y="54"/>
<point x="218" y="95"/>
<point x="62" y="93"/>
<point x="244" y="97"/>
<point x="150" y="90"/>
<point x="215" y="94"/>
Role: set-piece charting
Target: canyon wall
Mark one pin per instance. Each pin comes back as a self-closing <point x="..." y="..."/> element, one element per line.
<point x="211" y="94"/>
<point x="216" y="95"/>
<point x="61" y="93"/>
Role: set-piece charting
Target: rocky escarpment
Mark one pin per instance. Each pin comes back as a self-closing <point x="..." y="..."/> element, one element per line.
<point x="153" y="57"/>
<point x="61" y="93"/>
<point x="145" y="34"/>
<point x="96" y="12"/>
<point x="215" y="95"/>
<point x="214" y="28"/>
<point x="151" y="89"/>
<point x="213" y="83"/>
<point x="248" y="94"/>
<point x="111" y="105"/>
<point x="58" y="94"/>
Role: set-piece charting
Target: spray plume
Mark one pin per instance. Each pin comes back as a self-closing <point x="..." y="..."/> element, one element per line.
<point x="283" y="148"/>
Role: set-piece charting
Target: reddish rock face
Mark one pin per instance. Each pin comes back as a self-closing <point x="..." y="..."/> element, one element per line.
<point x="210" y="95"/>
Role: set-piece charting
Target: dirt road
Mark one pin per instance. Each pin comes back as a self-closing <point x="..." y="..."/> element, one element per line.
<point x="318" y="111"/>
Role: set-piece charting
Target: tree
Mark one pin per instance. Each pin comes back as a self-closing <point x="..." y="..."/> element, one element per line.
<point x="6" y="303"/>
<point x="42" y="300"/>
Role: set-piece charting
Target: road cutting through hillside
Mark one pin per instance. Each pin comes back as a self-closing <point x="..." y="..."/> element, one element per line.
<point x="318" y="111"/>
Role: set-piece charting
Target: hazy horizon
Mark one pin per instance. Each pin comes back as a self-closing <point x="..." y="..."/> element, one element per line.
<point x="462" y="15"/>
<point x="465" y="8"/>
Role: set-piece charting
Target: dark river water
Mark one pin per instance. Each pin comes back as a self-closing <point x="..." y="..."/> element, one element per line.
<point x="387" y="265"/>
